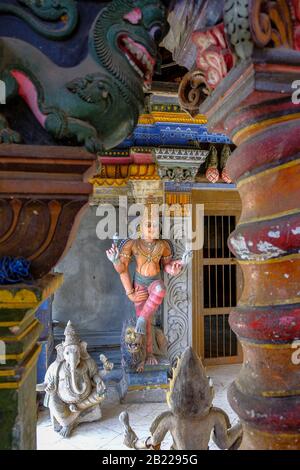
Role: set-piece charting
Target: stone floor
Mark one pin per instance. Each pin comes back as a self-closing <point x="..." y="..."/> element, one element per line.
<point x="107" y="433"/>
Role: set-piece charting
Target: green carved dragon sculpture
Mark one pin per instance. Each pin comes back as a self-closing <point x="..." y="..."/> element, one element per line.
<point x="97" y="102"/>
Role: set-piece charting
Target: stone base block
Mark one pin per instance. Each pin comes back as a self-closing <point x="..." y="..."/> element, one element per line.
<point x="146" y="395"/>
<point x="149" y="386"/>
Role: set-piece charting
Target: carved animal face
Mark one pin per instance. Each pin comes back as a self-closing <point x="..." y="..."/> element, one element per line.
<point x="141" y="24"/>
<point x="133" y="341"/>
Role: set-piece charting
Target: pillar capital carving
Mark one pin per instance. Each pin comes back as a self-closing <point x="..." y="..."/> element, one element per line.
<point x="179" y="164"/>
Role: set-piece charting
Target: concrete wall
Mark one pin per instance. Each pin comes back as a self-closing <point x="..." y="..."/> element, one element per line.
<point x="92" y="295"/>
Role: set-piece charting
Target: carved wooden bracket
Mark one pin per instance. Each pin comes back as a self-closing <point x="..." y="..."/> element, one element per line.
<point x="42" y="193"/>
<point x="258" y="23"/>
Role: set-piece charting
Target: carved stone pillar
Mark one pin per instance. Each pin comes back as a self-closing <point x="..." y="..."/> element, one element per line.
<point x="255" y="106"/>
<point x="267" y="241"/>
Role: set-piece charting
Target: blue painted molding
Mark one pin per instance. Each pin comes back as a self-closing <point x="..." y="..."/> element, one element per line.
<point x="186" y="187"/>
<point x="174" y="134"/>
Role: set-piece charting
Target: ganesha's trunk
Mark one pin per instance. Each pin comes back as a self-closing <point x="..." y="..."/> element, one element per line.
<point x="76" y="389"/>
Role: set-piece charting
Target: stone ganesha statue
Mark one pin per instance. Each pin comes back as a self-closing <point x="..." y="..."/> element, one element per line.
<point x="73" y="385"/>
<point x="97" y="101"/>
<point x="191" y="418"/>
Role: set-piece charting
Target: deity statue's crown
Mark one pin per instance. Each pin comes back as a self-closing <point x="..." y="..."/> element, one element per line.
<point x="71" y="336"/>
<point x="151" y="209"/>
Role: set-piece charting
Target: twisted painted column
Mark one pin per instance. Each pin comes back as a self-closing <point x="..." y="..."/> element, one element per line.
<point x="266" y="168"/>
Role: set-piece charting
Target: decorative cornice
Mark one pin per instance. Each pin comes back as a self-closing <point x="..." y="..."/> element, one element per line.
<point x="178" y="156"/>
<point x="120" y="175"/>
<point x="109" y="182"/>
<point x="177" y="117"/>
<point x="179" y="165"/>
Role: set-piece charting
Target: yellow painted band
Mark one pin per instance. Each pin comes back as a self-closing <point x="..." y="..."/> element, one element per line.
<point x="267" y="172"/>
<point x="161" y="116"/>
<point x="282" y="259"/>
<point x="19" y="306"/>
<point x="9" y="385"/>
<point x="292" y="301"/>
<point x="269" y="217"/>
<point x="22" y="297"/>
<point x="110" y="182"/>
<point x="8" y="357"/>
<point x="260" y="126"/>
<point x="146" y="387"/>
<point x="267" y="345"/>
<point x="22" y="335"/>
<point x="7" y="373"/>
<point x="281" y="393"/>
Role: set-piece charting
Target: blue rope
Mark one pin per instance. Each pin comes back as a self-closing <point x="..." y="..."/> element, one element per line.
<point x="14" y="270"/>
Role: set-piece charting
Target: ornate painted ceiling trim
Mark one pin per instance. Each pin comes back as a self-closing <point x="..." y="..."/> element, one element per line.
<point x="137" y="155"/>
<point x="244" y="29"/>
<point x="120" y="175"/>
<point x="179" y="165"/>
<point x="174" y="117"/>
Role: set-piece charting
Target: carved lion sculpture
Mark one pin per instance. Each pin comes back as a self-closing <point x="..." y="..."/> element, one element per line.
<point x="98" y="101"/>
<point x="133" y="345"/>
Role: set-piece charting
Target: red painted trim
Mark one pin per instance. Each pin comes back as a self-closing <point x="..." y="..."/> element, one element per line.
<point x="274" y="324"/>
<point x="268" y="414"/>
<point x="276" y="144"/>
<point x="282" y="233"/>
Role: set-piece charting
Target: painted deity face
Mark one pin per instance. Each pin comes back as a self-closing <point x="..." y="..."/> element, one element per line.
<point x="150" y="227"/>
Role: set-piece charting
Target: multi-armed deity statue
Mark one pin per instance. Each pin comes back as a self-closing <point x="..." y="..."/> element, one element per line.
<point x="73" y="385"/>
<point x="147" y="290"/>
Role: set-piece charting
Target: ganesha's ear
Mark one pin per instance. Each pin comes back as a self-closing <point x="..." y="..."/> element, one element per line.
<point x="83" y="350"/>
<point x="60" y="352"/>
